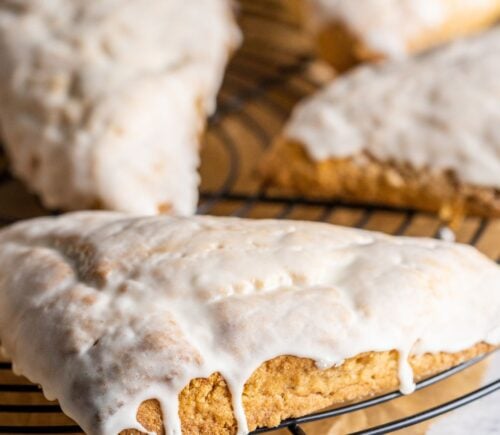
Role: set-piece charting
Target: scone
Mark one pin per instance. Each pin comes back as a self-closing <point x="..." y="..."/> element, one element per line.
<point x="221" y="325"/>
<point x="102" y="101"/>
<point x="423" y="133"/>
<point x="350" y="31"/>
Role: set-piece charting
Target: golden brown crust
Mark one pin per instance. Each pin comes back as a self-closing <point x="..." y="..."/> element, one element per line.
<point x="342" y="48"/>
<point x="290" y="386"/>
<point x="363" y="179"/>
<point x="337" y="45"/>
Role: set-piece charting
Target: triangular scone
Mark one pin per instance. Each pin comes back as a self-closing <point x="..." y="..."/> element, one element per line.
<point x="350" y="31"/>
<point x="422" y="133"/>
<point x="107" y="311"/>
<point x="102" y="101"/>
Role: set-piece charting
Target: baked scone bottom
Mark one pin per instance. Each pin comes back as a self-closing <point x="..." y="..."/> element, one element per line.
<point x="364" y="179"/>
<point x="287" y="387"/>
<point x="421" y="133"/>
<point x="227" y="321"/>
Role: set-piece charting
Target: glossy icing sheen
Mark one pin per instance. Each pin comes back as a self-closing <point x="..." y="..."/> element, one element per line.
<point x="102" y="101"/>
<point x="221" y="295"/>
<point x="390" y="26"/>
<point x="439" y="111"/>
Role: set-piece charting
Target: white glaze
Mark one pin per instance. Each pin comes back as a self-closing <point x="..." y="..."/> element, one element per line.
<point x="389" y="26"/>
<point x="447" y="234"/>
<point x="186" y="297"/>
<point x="102" y="101"/>
<point x="440" y="111"/>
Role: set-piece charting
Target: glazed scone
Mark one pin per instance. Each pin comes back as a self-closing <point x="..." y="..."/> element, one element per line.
<point x="349" y="31"/>
<point x="228" y="324"/>
<point x="422" y="133"/>
<point x="103" y="101"/>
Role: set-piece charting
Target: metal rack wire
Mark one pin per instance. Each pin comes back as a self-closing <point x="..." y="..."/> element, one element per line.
<point x="265" y="79"/>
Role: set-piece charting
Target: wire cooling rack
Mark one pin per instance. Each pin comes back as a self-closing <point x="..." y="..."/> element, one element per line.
<point x="271" y="72"/>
